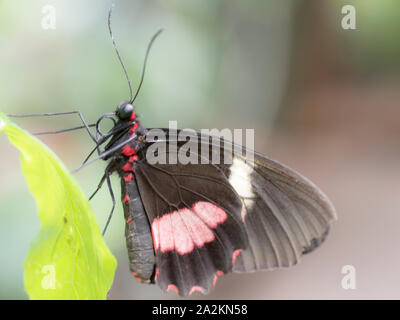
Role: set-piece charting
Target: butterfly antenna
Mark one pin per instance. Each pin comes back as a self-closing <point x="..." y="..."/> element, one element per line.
<point x="145" y="62"/>
<point x="116" y="50"/>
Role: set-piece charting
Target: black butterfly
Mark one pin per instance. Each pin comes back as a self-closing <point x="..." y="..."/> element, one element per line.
<point x="187" y="224"/>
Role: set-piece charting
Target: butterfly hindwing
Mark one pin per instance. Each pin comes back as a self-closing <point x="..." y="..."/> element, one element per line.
<point x="195" y="218"/>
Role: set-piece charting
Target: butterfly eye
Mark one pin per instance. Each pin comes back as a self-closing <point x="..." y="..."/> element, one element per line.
<point x="125" y="110"/>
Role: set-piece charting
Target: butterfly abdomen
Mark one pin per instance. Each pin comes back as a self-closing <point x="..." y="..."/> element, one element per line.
<point x="139" y="240"/>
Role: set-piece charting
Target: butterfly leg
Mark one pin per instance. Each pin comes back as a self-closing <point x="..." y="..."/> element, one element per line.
<point x="62" y="130"/>
<point x="113" y="202"/>
<point x="103" y="178"/>
<point x="85" y="125"/>
<point x="106" y="177"/>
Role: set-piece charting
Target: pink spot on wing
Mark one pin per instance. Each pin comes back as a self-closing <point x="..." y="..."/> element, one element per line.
<point x="127" y="150"/>
<point x="128" y="220"/>
<point x="216" y="275"/>
<point x="156" y="274"/>
<point x="181" y="223"/>
<point x="126" y="199"/>
<point x="235" y="255"/>
<point x="196" y="289"/>
<point x="215" y="280"/>
<point x="128" y="177"/>
<point x="243" y="215"/>
<point x="183" y="229"/>
<point x="166" y="235"/>
<point x="155" y="231"/>
<point x="197" y="231"/>
<point x="209" y="213"/>
<point x="172" y="287"/>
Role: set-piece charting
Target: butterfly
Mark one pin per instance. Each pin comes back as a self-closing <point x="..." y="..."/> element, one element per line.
<point x="189" y="222"/>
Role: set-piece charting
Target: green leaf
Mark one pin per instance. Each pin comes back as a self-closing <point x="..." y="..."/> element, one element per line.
<point x="68" y="259"/>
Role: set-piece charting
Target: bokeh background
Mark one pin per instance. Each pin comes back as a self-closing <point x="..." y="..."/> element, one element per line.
<point x="323" y="100"/>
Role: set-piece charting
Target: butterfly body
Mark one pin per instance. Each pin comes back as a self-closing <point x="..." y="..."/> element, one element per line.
<point x="139" y="241"/>
<point x="138" y="236"/>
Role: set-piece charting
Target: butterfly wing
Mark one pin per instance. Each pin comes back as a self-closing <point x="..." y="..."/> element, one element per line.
<point x="208" y="219"/>
<point x="285" y="214"/>
<point x="195" y="222"/>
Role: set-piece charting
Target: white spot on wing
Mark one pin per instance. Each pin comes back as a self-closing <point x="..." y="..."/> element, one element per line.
<point x="240" y="179"/>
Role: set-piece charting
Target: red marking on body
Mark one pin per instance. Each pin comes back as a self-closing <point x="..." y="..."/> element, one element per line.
<point x="216" y="275"/>
<point x="172" y="287"/>
<point x="183" y="229"/>
<point x="134" y="127"/>
<point x="133" y="158"/>
<point x="128" y="220"/>
<point x="196" y="288"/>
<point x="133" y="115"/>
<point x="128" y="177"/>
<point x="136" y="277"/>
<point x="156" y="274"/>
<point x="209" y="213"/>
<point x="126" y="199"/>
<point x="127" y="167"/>
<point x="235" y="255"/>
<point x="127" y="150"/>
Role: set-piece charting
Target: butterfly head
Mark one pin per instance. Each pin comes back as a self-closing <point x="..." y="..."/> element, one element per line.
<point x="125" y="111"/>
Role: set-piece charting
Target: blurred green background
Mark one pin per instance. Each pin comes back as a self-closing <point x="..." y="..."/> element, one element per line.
<point x="321" y="99"/>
